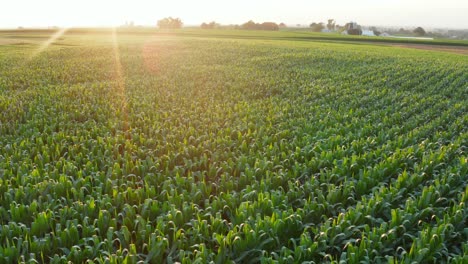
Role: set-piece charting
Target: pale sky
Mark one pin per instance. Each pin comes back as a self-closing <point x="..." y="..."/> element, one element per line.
<point x="88" y="13"/>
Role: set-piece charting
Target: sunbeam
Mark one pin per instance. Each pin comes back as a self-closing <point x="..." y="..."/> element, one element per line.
<point x="51" y="40"/>
<point x="119" y="81"/>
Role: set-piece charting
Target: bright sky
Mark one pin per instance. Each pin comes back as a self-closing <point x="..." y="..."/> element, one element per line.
<point x="67" y="13"/>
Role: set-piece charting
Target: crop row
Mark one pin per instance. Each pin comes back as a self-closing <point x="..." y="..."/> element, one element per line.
<point x="222" y="151"/>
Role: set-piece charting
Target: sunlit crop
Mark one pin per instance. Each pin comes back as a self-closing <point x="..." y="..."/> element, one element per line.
<point x="198" y="150"/>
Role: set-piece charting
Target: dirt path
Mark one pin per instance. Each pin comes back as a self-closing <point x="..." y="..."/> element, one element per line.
<point x="452" y="49"/>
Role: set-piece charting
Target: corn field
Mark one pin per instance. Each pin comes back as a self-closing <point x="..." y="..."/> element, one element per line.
<point x="186" y="149"/>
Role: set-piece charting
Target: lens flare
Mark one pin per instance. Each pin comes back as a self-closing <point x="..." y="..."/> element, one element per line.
<point x="119" y="80"/>
<point x="49" y="42"/>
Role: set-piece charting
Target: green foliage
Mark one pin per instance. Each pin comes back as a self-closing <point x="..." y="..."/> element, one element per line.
<point x="211" y="25"/>
<point x="317" y="27"/>
<point x="225" y="150"/>
<point x="419" y="31"/>
<point x="250" y="25"/>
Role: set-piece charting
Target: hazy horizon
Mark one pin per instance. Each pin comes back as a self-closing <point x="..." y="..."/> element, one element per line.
<point x="106" y="13"/>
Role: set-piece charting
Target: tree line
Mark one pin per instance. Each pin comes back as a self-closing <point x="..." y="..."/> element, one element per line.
<point x="251" y="25"/>
<point x="175" y="23"/>
<point x="330" y="26"/>
<point x="355" y="29"/>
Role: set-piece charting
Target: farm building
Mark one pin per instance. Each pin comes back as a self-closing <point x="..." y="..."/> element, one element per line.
<point x="368" y="33"/>
<point x="352" y="25"/>
<point x="352" y="28"/>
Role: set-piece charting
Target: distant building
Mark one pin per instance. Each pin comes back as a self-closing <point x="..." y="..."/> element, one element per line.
<point x="368" y="33"/>
<point x="352" y="28"/>
<point x="385" y="34"/>
<point x="352" y="25"/>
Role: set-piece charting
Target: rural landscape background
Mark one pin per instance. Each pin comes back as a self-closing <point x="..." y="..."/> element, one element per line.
<point x="256" y="142"/>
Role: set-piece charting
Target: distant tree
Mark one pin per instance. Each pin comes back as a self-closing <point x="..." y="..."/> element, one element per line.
<point x="331" y="24"/>
<point x="419" y="31"/>
<point x="352" y="25"/>
<point x="355" y="31"/>
<point x="249" y="25"/>
<point x="269" y="26"/>
<point x="282" y="25"/>
<point x="403" y="31"/>
<point x="316" y="27"/>
<point x="340" y="28"/>
<point x="376" y="31"/>
<point x="353" y="28"/>
<point x="170" y="23"/>
<point x="210" y="25"/>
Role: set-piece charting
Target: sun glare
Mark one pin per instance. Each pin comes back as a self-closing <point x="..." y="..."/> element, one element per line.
<point x="49" y="42"/>
<point x="119" y="80"/>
